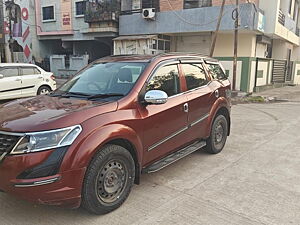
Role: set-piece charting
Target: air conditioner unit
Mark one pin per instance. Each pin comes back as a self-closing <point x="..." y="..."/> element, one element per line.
<point x="149" y="13"/>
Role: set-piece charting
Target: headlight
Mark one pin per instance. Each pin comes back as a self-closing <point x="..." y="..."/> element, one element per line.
<point x="39" y="141"/>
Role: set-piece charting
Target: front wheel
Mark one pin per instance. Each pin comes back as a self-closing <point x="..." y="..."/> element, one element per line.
<point x="218" y="135"/>
<point x="108" y="180"/>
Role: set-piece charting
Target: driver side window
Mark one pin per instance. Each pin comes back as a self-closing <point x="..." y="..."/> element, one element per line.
<point x="166" y="79"/>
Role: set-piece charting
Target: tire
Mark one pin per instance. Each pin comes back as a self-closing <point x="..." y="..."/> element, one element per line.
<point x="108" y="180"/>
<point x="218" y="135"/>
<point x="43" y="90"/>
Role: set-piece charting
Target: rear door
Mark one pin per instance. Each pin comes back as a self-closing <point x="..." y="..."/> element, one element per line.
<point x="11" y="83"/>
<point x="31" y="80"/>
<point x="200" y="95"/>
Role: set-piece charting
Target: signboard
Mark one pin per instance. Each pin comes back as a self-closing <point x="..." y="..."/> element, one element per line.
<point x="66" y="21"/>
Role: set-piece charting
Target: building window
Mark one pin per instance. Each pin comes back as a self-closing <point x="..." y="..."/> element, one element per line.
<point x="150" y="4"/>
<point x="48" y="13"/>
<point x="80" y="8"/>
<point x="190" y="4"/>
<point x="161" y="43"/>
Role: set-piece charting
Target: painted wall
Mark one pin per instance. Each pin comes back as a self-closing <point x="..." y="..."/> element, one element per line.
<point x="297" y="74"/>
<point x="246" y="46"/>
<point x="23" y="31"/>
<point x="199" y="43"/>
<point x="280" y="48"/>
<point x="190" y="20"/>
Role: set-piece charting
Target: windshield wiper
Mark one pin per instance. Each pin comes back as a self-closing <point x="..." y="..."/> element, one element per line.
<point x="70" y="94"/>
<point x="105" y="95"/>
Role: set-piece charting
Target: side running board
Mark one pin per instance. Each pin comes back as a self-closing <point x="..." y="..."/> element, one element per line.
<point x="162" y="163"/>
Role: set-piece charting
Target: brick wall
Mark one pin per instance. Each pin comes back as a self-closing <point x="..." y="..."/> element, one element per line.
<point x="176" y="5"/>
<point x="219" y="2"/>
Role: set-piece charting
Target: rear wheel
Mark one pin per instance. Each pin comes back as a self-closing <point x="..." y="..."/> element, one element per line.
<point x="43" y="90"/>
<point x="108" y="180"/>
<point x="218" y="135"/>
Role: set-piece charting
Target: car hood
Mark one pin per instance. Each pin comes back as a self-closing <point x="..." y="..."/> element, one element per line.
<point x="46" y="113"/>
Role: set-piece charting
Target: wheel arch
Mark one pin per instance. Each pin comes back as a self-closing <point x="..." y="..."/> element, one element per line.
<point x="132" y="150"/>
<point x="90" y="145"/>
<point x="225" y="112"/>
<point x="221" y="107"/>
<point x="43" y="85"/>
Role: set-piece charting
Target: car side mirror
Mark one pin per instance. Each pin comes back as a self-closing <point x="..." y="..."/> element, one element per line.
<point x="1" y="76"/>
<point x="156" y="97"/>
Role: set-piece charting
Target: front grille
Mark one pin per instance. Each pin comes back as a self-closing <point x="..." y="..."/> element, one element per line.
<point x="8" y="142"/>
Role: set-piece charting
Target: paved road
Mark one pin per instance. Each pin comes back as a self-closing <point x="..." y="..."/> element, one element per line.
<point x="256" y="180"/>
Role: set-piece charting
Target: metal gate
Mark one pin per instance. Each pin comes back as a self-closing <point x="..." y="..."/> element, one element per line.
<point x="279" y="71"/>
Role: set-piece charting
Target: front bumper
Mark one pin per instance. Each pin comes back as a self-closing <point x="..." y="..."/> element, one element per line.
<point x="62" y="189"/>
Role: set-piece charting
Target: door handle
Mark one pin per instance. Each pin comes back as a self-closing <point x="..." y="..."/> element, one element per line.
<point x="40" y="77"/>
<point x="186" y="107"/>
<point x="18" y="79"/>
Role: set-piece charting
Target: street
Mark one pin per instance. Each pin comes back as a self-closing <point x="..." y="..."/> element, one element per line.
<point x="255" y="180"/>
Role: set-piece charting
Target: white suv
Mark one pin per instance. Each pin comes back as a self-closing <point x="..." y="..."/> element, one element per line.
<point x="24" y="80"/>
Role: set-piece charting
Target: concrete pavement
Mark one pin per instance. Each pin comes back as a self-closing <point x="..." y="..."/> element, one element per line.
<point x="255" y="180"/>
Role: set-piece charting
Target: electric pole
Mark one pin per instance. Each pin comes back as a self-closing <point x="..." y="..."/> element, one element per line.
<point x="213" y="44"/>
<point x="235" y="15"/>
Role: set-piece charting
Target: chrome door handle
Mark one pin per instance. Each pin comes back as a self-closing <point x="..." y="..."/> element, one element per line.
<point x="186" y="107"/>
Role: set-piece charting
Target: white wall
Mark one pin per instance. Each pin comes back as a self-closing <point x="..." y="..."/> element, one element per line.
<point x="228" y="65"/>
<point x="192" y="43"/>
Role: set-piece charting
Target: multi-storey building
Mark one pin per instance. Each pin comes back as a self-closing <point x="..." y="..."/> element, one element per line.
<point x="63" y="35"/>
<point x="268" y="47"/>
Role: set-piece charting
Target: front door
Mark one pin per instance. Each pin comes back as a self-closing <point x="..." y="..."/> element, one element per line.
<point x="10" y="83"/>
<point x="165" y="125"/>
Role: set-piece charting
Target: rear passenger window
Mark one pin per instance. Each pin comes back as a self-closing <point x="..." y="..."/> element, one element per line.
<point x="9" y="72"/>
<point x="216" y="71"/>
<point x="165" y="79"/>
<point x="28" y="71"/>
<point x="194" y="75"/>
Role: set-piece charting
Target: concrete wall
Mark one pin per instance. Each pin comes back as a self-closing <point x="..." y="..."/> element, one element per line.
<point x="189" y="20"/>
<point x="246" y="47"/>
<point x="280" y="48"/>
<point x="297" y="73"/>
<point x="192" y="43"/>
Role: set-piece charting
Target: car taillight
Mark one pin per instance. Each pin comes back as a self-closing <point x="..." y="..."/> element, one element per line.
<point x="52" y="77"/>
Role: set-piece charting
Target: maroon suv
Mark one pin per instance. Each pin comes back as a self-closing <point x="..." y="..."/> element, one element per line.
<point x="90" y="140"/>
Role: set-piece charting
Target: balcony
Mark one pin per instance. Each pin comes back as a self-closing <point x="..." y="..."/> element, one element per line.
<point x="108" y="11"/>
<point x="189" y="20"/>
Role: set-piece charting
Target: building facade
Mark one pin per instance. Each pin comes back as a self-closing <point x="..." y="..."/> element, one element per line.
<point x="268" y="50"/>
<point x="60" y="35"/>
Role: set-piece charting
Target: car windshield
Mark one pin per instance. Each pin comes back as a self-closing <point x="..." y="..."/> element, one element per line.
<point x="103" y="80"/>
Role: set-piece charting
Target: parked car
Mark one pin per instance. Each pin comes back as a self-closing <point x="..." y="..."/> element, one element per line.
<point x="19" y="80"/>
<point x="89" y="141"/>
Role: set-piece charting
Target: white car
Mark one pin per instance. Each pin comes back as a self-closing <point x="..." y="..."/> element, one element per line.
<point x="18" y="80"/>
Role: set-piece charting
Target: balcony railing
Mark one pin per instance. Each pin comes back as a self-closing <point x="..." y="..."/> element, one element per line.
<point x="102" y="12"/>
<point x="281" y="18"/>
<point x="298" y="31"/>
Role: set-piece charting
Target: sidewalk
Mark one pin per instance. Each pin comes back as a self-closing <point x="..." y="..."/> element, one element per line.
<point x="288" y="93"/>
<point x="283" y="94"/>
